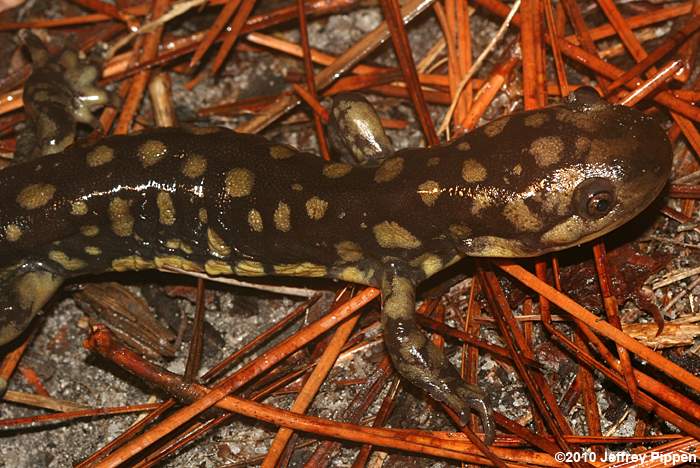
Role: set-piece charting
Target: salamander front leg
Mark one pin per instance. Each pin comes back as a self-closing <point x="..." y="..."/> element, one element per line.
<point x="421" y="362"/>
<point x="356" y="133"/>
<point x="24" y="290"/>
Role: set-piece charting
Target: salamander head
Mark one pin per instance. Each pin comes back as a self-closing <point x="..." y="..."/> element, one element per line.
<point x="584" y="168"/>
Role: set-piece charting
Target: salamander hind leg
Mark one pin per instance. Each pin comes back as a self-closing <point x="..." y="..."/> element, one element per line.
<point x="24" y="290"/>
<point x="420" y="361"/>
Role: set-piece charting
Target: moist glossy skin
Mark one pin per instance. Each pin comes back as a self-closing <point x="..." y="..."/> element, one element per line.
<point x="217" y="201"/>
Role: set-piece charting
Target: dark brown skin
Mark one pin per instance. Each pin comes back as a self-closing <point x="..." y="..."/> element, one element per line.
<point x="217" y="201"/>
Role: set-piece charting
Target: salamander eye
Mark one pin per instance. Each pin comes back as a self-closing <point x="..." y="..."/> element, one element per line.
<point x="600" y="204"/>
<point x="594" y="198"/>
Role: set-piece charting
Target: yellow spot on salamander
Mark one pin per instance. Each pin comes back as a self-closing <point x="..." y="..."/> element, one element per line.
<point x="316" y="208"/>
<point x="255" y="220"/>
<point x="547" y="150"/>
<point x="473" y="171"/>
<point x="173" y="261"/>
<point x="392" y="235"/>
<point x="166" y="209"/>
<point x="202" y="214"/>
<point x="35" y="196"/>
<point x="555" y="202"/>
<point x="89" y="230"/>
<point x="355" y="275"/>
<point x="434" y="161"/>
<point x="70" y="264"/>
<point x="306" y="269"/>
<point x="429" y="192"/>
<point x="517" y="169"/>
<point x="100" y="155"/>
<point x="177" y="244"/>
<point x="349" y="251"/>
<point x="521" y="217"/>
<point x="217" y="245"/>
<point x="217" y="267"/>
<point x="336" y="170"/>
<point x="389" y="170"/>
<point x="429" y="263"/>
<point x="282" y="217"/>
<point x="297" y="187"/>
<point x="92" y="250"/>
<point x="239" y="182"/>
<point x="131" y="263"/>
<point x="536" y="120"/>
<point x="603" y="151"/>
<point x="580" y="120"/>
<point x="195" y="166"/>
<point x="152" y="152"/>
<point x="78" y="208"/>
<point x="13" y="232"/>
<point x="464" y="146"/>
<point x="249" y="268"/>
<point x="281" y="152"/>
<point x="460" y="231"/>
<point x="496" y="127"/>
<point x="120" y="216"/>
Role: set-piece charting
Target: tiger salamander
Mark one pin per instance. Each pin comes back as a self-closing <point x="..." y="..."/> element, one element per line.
<point x="216" y="201"/>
